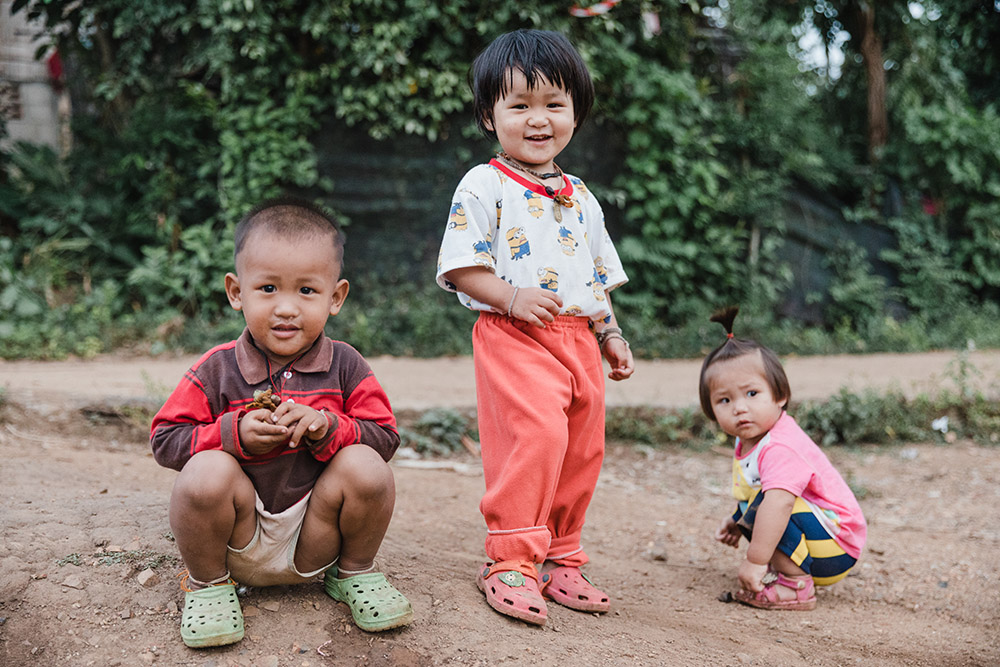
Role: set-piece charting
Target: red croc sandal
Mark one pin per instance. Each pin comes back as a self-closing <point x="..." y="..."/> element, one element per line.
<point x="804" y="600"/>
<point x="511" y="587"/>
<point x="571" y="588"/>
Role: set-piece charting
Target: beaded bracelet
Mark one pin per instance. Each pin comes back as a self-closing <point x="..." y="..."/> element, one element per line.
<point x="614" y="335"/>
<point x="608" y="333"/>
<point x="510" y="305"/>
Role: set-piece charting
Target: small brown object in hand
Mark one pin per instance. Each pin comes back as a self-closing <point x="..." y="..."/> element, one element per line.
<point x="264" y="399"/>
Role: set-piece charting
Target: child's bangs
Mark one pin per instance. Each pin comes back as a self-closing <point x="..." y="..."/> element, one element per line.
<point x="535" y="72"/>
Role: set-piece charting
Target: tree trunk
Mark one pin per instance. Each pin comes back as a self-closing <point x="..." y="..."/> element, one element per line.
<point x="871" y="51"/>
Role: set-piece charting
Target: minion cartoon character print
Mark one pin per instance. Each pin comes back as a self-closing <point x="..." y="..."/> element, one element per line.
<point x="508" y="226"/>
<point x="535" y="206"/>
<point x="518" y="243"/>
<point x="602" y="272"/>
<point x="566" y="241"/>
<point x="598" y="286"/>
<point x="579" y="187"/>
<point x="483" y="256"/>
<point x="457" y="219"/>
<point x="548" y="279"/>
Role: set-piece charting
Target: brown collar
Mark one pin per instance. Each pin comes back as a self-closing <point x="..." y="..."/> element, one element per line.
<point x="253" y="364"/>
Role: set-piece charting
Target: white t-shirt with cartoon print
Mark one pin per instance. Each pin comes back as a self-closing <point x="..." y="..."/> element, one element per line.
<point x="506" y="223"/>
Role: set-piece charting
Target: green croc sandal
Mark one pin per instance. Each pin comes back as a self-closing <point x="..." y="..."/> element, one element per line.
<point x="375" y="604"/>
<point x="212" y="616"/>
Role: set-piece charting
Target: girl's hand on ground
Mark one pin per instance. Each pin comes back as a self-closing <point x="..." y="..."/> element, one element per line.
<point x="259" y="434"/>
<point x="728" y="533"/>
<point x="536" y="306"/>
<point x="303" y="421"/>
<point x="619" y="355"/>
<point x="750" y="575"/>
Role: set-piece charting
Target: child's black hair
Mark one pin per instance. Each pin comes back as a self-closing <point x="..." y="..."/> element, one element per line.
<point x="774" y="373"/>
<point x="293" y="218"/>
<point x="536" y="53"/>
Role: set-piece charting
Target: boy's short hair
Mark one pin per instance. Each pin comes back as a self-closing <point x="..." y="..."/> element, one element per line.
<point x="535" y="53"/>
<point x="293" y="218"/>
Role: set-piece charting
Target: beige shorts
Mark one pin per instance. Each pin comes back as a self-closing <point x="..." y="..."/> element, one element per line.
<point x="269" y="558"/>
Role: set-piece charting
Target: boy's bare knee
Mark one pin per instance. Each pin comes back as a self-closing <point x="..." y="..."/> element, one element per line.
<point x="208" y="477"/>
<point x="361" y="472"/>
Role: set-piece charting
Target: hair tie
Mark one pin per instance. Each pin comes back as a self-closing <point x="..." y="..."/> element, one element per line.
<point x="729" y="335"/>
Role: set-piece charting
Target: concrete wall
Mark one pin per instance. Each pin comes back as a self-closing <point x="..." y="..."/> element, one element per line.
<point x="31" y="107"/>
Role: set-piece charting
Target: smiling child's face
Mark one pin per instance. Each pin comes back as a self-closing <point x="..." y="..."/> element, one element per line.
<point x="286" y="289"/>
<point x="533" y="125"/>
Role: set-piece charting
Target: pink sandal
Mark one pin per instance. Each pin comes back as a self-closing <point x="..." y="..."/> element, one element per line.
<point x="511" y="587"/>
<point x="571" y="588"/>
<point x="805" y="594"/>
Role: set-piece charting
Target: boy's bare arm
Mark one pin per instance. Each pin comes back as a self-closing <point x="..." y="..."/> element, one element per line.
<point x="534" y="305"/>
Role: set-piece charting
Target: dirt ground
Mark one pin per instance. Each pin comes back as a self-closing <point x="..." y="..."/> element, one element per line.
<point x="84" y="516"/>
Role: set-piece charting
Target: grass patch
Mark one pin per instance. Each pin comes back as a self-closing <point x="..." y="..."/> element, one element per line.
<point x="140" y="559"/>
<point x="438" y="432"/>
<point x="846" y="418"/>
<point x="71" y="559"/>
<point x="660" y="426"/>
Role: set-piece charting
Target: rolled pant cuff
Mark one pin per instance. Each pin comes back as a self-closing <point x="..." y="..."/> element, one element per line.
<point x="530" y="543"/>
<point x="573" y="558"/>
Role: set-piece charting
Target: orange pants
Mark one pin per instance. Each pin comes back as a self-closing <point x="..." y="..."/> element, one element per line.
<point x="540" y="396"/>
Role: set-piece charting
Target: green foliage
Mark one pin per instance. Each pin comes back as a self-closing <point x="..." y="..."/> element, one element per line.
<point x="949" y="156"/>
<point x="189" y="286"/>
<point x="439" y="431"/>
<point x="868" y="417"/>
<point x="44" y="315"/>
<point x="139" y="559"/>
<point x="671" y="184"/>
<point x="657" y="426"/>
<point x="188" y="114"/>
<point x="856" y="294"/>
<point x="69" y="559"/>
<point x="389" y="314"/>
<point x="930" y="284"/>
<point x="144" y="559"/>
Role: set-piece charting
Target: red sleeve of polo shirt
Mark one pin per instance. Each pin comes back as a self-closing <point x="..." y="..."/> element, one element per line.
<point x="367" y="417"/>
<point x="185" y="425"/>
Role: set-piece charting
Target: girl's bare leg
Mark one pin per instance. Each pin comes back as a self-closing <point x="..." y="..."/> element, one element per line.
<point x="784" y="565"/>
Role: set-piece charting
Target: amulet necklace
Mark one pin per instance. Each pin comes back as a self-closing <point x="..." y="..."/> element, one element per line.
<point x="559" y="199"/>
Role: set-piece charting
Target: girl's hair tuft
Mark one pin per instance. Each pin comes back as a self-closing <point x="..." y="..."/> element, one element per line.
<point x="732" y="348"/>
<point x="726" y="317"/>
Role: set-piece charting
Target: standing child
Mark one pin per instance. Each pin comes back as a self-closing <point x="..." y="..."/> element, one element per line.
<point x="526" y="246"/>
<point x="281" y="438"/>
<point x="804" y="525"/>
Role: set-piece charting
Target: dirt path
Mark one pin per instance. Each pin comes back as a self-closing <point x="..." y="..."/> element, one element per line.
<point x="84" y="512"/>
<point x="420" y="384"/>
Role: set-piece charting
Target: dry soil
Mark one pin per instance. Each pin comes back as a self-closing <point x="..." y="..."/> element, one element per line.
<point x="84" y="516"/>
